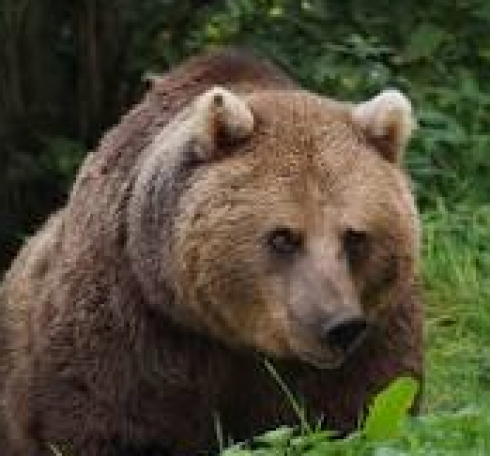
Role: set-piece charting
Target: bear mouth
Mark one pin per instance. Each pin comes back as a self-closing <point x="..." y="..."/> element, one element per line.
<point x="323" y="360"/>
<point x="326" y="357"/>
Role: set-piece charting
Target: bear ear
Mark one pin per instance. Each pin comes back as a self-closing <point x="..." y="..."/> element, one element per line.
<point x="217" y="117"/>
<point x="388" y="121"/>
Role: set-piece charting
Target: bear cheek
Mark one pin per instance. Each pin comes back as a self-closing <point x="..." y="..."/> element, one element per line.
<point x="382" y="278"/>
<point x="377" y="281"/>
<point x="216" y="284"/>
<point x="249" y="312"/>
<point x="233" y="299"/>
<point x="269" y="332"/>
<point x="237" y="312"/>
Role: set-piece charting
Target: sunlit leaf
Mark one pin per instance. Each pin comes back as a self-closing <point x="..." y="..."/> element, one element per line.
<point x="389" y="409"/>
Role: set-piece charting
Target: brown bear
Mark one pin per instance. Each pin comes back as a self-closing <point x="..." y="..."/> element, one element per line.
<point x="230" y="218"/>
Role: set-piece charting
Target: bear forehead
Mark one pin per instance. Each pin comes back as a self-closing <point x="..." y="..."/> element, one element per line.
<point x="302" y="136"/>
<point x="305" y="152"/>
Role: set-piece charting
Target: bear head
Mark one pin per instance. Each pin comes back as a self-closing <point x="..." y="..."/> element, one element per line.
<point x="277" y="220"/>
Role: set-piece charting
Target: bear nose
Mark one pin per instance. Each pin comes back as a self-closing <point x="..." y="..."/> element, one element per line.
<point x="342" y="333"/>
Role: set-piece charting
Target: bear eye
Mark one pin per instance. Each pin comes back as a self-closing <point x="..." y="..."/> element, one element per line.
<point x="356" y="246"/>
<point x="284" y="241"/>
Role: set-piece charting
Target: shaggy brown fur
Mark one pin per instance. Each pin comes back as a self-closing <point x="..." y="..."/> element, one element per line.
<point x="144" y="308"/>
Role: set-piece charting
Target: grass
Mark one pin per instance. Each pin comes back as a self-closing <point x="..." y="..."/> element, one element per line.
<point x="456" y="413"/>
<point x="457" y="284"/>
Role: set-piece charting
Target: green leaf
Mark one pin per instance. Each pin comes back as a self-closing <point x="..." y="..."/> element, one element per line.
<point x="389" y="409"/>
<point x="235" y="451"/>
<point x="276" y="437"/>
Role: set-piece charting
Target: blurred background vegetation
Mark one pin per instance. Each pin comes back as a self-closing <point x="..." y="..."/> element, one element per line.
<point x="68" y="70"/>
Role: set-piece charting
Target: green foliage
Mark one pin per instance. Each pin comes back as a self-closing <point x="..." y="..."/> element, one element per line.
<point x="456" y="280"/>
<point x="387" y="431"/>
<point x="389" y="409"/>
<point x="384" y="422"/>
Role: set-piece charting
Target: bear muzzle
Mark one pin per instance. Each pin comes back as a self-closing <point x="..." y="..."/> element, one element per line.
<point x="329" y="342"/>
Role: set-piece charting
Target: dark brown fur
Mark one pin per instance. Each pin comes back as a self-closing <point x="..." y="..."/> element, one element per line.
<point x="103" y="354"/>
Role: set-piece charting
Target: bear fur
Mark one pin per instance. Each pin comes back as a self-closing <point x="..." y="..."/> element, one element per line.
<point x="227" y="219"/>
